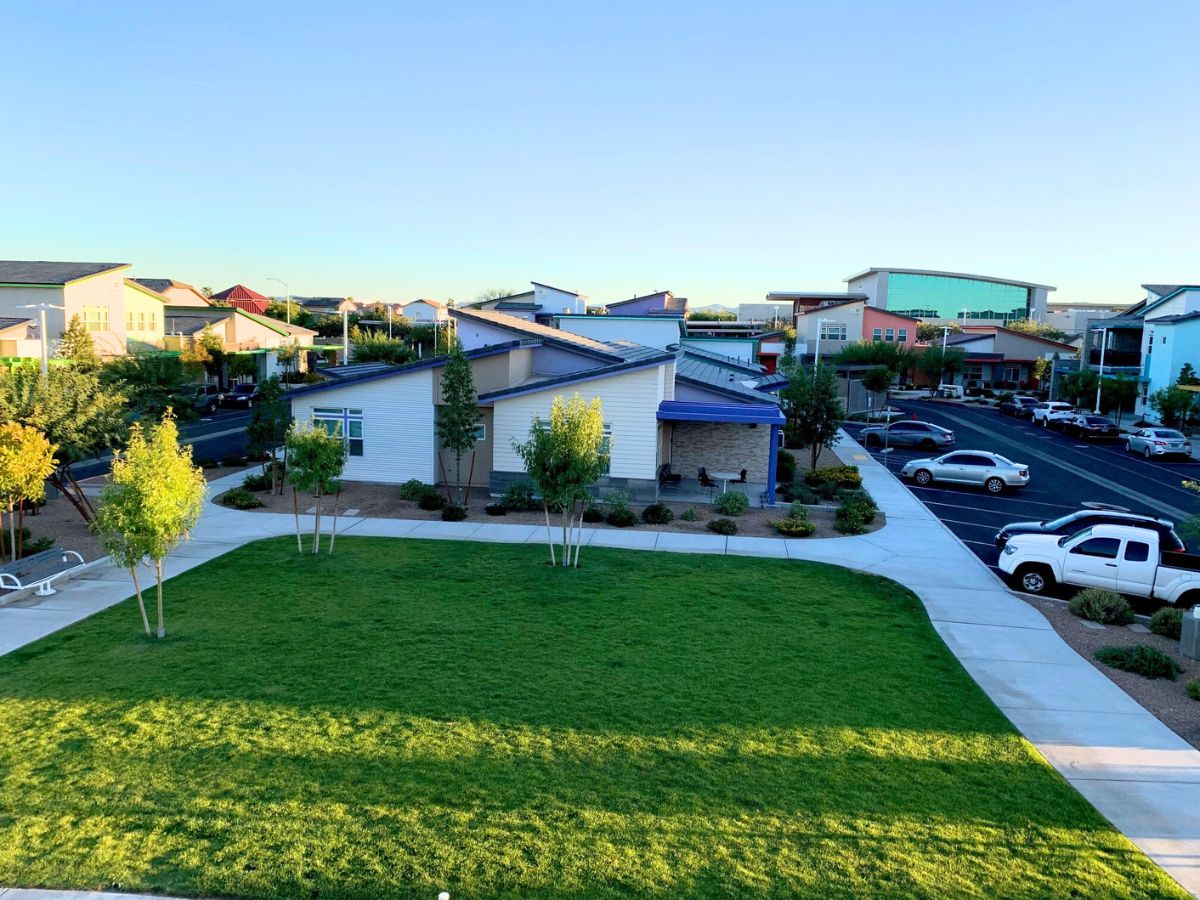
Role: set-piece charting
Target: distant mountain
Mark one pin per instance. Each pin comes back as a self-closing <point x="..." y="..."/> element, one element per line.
<point x="712" y="308"/>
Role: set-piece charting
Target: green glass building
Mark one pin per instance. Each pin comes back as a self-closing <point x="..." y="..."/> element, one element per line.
<point x="932" y="296"/>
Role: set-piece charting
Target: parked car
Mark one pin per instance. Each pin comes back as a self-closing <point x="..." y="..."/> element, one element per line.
<point x="1021" y="407"/>
<point x="1073" y="523"/>
<point x="1091" y="427"/>
<point x="908" y="433"/>
<point x="203" y="397"/>
<point x="242" y="396"/>
<point x="1050" y="412"/>
<point x="883" y="414"/>
<point x="1116" y="557"/>
<point x="1151" y="442"/>
<point x="991" y="471"/>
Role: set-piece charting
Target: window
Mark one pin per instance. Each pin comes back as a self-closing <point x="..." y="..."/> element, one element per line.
<point x="606" y="447"/>
<point x="480" y="433"/>
<point x="902" y="335"/>
<point x="1103" y="548"/>
<point x="1136" y="551"/>
<point x="890" y="336"/>
<point x="833" y="331"/>
<point x="141" y="321"/>
<point x="877" y="334"/>
<point x="1012" y="373"/>
<point x="344" y="423"/>
<point x="95" y="318"/>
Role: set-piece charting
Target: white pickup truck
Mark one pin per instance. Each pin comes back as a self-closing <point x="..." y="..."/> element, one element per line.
<point x="1120" y="558"/>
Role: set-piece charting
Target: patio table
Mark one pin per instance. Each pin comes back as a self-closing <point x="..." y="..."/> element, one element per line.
<point x="725" y="478"/>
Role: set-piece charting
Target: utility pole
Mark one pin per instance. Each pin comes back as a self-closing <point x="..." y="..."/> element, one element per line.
<point x="289" y="297"/>
<point x="44" y="338"/>
<point x="345" y="336"/>
<point x="1100" y="380"/>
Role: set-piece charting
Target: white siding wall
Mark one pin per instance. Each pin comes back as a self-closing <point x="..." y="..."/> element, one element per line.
<point x="107" y="289"/>
<point x="656" y="333"/>
<point x="630" y="407"/>
<point x="734" y="348"/>
<point x="398" y="434"/>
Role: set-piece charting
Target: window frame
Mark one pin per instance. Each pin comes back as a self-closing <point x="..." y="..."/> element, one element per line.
<point x="344" y="420"/>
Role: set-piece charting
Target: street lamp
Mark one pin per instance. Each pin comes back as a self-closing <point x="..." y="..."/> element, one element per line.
<point x="942" y="366"/>
<point x="1100" y="380"/>
<point x="41" y="308"/>
<point x="821" y="322"/>
<point x="289" y="297"/>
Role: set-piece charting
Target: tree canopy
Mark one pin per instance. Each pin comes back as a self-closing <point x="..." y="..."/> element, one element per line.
<point x="813" y="412"/>
<point x="458" y="413"/>
<point x="76" y="344"/>
<point x="26" y="461"/>
<point x="315" y="460"/>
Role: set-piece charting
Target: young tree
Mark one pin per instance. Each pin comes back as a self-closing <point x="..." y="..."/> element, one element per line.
<point x="1041" y="371"/>
<point x="73" y="410"/>
<point x="315" y="459"/>
<point x="205" y="354"/>
<point x="1117" y="392"/>
<point x="151" y="382"/>
<point x="152" y="502"/>
<point x="1037" y="329"/>
<point x="1078" y="387"/>
<point x="565" y="457"/>
<point x="458" y="415"/>
<point x="269" y="420"/>
<point x="878" y="381"/>
<point x="928" y="332"/>
<point x="76" y="344"/>
<point x="493" y="294"/>
<point x="1173" y="405"/>
<point x="936" y="365"/>
<point x="26" y="461"/>
<point x="287" y="355"/>
<point x="1188" y="376"/>
<point x="812" y="411"/>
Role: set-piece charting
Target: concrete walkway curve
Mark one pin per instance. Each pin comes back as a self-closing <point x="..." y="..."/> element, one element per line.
<point x="1138" y="773"/>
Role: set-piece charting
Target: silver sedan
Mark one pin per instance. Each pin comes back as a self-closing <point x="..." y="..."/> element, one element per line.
<point x="1152" y="442"/>
<point x="990" y="471"/>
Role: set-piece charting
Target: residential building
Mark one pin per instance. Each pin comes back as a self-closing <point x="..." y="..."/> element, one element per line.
<point x="998" y="358"/>
<point x="240" y="332"/>
<point x="425" y="311"/>
<point x="934" y="296"/>
<point x="659" y="303"/>
<point x="661" y="406"/>
<point x="242" y="297"/>
<point x="177" y="293"/>
<point x="95" y="292"/>
<point x="19" y="338"/>
<point x="1076" y="318"/>
<point x="838" y="323"/>
<point x="144" y="312"/>
<point x="538" y="305"/>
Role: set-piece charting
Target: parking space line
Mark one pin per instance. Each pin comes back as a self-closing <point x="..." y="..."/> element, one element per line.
<point x="970" y="524"/>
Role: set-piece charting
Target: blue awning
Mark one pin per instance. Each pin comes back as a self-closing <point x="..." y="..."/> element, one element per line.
<point x="737" y="413"/>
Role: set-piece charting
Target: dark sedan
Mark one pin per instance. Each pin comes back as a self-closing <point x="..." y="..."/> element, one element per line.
<point x="1020" y="407"/>
<point x="1091" y="427"/>
<point x="240" y="396"/>
<point x="908" y="434"/>
<point x="1075" y="522"/>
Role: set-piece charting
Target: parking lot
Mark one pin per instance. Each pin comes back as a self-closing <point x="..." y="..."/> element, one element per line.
<point x="1064" y="472"/>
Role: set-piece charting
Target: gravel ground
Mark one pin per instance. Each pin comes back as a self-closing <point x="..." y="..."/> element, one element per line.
<point x="1166" y="700"/>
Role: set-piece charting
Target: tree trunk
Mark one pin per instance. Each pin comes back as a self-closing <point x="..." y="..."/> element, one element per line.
<point x="333" y="531"/>
<point x="816" y="452"/>
<point x="445" y="477"/>
<point x="579" y="532"/>
<point x="12" y="534"/>
<point x="470" y="481"/>
<point x="566" y="544"/>
<point x="21" y="528"/>
<point x="158" y="571"/>
<point x="137" y="589"/>
<point x="458" y="478"/>
<point x="549" y="533"/>
<point x="296" y="510"/>
<point x="64" y="482"/>
<point x="316" y="547"/>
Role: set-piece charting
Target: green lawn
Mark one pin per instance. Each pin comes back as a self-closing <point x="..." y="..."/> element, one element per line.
<point x="412" y="716"/>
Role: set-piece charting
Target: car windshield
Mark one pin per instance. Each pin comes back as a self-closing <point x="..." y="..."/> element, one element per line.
<point x="1168" y="435"/>
<point x="244" y="389"/>
<point x="1096" y="420"/>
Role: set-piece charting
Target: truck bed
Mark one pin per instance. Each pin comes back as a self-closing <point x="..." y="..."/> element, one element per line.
<point x="1188" y="561"/>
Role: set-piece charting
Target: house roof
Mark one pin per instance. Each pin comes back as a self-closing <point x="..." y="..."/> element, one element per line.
<point x="17" y="271"/>
<point x="637" y="361"/>
<point x="158" y="285"/>
<point x="137" y="285"/>
<point x="789" y="296"/>
<point x="842" y="300"/>
<point x="722" y="379"/>
<point x="553" y="288"/>
<point x="192" y="321"/>
<point x="517" y="304"/>
<point x="240" y="292"/>
<point x="214" y="314"/>
<point x="997" y="329"/>
<point x="1162" y="289"/>
<point x="7" y="322"/>
<point x="360" y="372"/>
<point x="941" y="274"/>
<point x="435" y="304"/>
<point x="1171" y="320"/>
<point x="275" y="324"/>
<point x="531" y="329"/>
<point x="738" y="413"/>
<point x="726" y="361"/>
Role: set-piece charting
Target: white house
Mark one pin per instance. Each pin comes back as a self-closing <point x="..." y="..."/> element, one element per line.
<point x="93" y="291"/>
<point x="426" y="311"/>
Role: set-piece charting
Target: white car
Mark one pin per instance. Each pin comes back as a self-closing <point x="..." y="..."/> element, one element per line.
<point x="1116" y="557"/>
<point x="1052" y="411"/>
<point x="990" y="471"/>
<point x="1151" y="442"/>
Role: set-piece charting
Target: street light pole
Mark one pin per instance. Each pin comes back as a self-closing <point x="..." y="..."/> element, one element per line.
<point x="345" y="336"/>
<point x="942" y="365"/>
<point x="41" y="308"/>
<point x="821" y="322"/>
<point x="1100" y="380"/>
<point x="289" y="297"/>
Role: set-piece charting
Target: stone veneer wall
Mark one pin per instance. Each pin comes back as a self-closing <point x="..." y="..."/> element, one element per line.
<point x="720" y="446"/>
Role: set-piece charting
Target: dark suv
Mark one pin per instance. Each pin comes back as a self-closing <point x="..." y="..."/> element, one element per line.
<point x="203" y="397"/>
<point x="1075" y="522"/>
<point x="1021" y="407"/>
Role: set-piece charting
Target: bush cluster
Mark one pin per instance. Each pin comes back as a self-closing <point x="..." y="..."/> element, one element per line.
<point x="256" y="483"/>
<point x="1168" y="622"/>
<point x="593" y="514"/>
<point x="414" y="489"/>
<point x="691" y="514"/>
<point x="800" y="493"/>
<point x="785" y="467"/>
<point x="29" y="545"/>
<point x="1193" y="688"/>
<point x="240" y="498"/>
<point x="855" y="514"/>
<point x="1140" y="659"/>
<point x="1099" y="605"/>
<point x="657" y="514"/>
<point x="432" y="501"/>
<point x="727" y="527"/>
<point x="453" y="513"/>
<point x="496" y="509"/>
<point x="732" y="503"/>
<point x="520" y="497"/>
<point x="798" y="523"/>
<point x="841" y="476"/>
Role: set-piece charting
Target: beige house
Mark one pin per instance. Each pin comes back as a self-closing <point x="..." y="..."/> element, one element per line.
<point x="95" y="292"/>
<point x="176" y="293"/>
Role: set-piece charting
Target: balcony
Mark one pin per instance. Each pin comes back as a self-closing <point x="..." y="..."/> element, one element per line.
<point x="1116" y="358"/>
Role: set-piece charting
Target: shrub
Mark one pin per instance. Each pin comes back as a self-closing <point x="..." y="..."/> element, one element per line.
<point x="432" y="501"/>
<point x="453" y="513"/>
<point x="1099" y="605"/>
<point x="691" y="514"/>
<point x="853" y="517"/>
<point x="496" y="509"/>
<point x="842" y="476"/>
<point x="593" y="514"/>
<point x="29" y="545"/>
<point x="1168" y="622"/>
<point x="1140" y="659"/>
<point x="240" y="498"/>
<point x="732" y="503"/>
<point x="797" y="524"/>
<point x="858" y="505"/>
<point x="800" y="493"/>
<point x="785" y="466"/>
<point x="414" y="489"/>
<point x="256" y="483"/>
<point x="727" y="527"/>
<point x="1193" y="688"/>
<point x="520" y="497"/>
<point x="657" y="514"/>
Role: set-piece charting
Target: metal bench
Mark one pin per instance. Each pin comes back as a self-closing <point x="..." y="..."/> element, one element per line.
<point x="39" y="569"/>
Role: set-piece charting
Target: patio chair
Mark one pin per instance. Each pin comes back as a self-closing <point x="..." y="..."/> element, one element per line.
<point x="741" y="479"/>
<point x="667" y="478"/>
<point x="705" y="482"/>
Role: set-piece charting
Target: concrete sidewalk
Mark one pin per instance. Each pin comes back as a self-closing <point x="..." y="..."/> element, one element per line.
<point x="1142" y="776"/>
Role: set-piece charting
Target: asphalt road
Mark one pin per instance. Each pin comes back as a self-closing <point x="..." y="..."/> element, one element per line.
<point x="1064" y="473"/>
<point x="219" y="436"/>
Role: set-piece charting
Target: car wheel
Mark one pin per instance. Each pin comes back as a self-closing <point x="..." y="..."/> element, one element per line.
<point x="923" y="476"/>
<point x="1146" y="453"/>
<point x="1045" y="423"/>
<point x="872" y="440"/>
<point x="994" y="485"/>
<point x="1034" y="579"/>
<point x="928" y="444"/>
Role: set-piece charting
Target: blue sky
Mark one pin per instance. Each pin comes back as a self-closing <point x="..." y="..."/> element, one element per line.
<point x="400" y="150"/>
